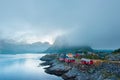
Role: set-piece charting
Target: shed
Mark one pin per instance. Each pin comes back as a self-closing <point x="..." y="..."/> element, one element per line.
<point x="69" y="60"/>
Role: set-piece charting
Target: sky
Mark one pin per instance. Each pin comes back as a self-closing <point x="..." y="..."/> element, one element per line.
<point x="93" y="22"/>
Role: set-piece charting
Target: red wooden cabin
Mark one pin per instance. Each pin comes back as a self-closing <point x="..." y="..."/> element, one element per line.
<point x="77" y="55"/>
<point x="86" y="61"/>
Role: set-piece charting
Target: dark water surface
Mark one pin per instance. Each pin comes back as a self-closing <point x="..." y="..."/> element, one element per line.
<point x="23" y="67"/>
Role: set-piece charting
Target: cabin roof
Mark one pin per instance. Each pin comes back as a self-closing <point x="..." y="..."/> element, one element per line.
<point x="84" y="59"/>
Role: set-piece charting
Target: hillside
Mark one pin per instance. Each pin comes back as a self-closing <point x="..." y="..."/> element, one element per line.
<point x="62" y="46"/>
<point x="117" y="51"/>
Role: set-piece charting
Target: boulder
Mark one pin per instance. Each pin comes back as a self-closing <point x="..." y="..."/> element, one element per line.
<point x="58" y="69"/>
<point x="71" y="74"/>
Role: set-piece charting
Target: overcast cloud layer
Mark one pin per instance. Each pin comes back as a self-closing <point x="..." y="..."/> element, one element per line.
<point x="93" y="22"/>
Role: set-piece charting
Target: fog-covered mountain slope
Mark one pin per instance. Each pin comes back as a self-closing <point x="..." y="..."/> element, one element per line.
<point x="62" y="46"/>
<point x="13" y="47"/>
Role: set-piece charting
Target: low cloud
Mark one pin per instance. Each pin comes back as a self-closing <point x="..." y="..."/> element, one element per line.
<point x="91" y="22"/>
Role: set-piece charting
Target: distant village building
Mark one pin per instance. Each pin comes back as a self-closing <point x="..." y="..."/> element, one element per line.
<point x="70" y="58"/>
<point x="70" y="55"/>
<point x="77" y="55"/>
<point x="62" y="57"/>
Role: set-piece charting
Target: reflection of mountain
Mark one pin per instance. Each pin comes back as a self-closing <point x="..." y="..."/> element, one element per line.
<point x="11" y="47"/>
<point x="61" y="45"/>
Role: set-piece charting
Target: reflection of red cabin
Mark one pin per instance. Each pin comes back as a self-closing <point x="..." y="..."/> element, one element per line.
<point x="69" y="60"/>
<point x="86" y="61"/>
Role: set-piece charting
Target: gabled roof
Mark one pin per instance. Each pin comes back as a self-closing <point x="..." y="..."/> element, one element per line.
<point x="84" y="59"/>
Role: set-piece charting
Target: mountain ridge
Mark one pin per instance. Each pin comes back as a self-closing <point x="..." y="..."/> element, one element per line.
<point x="14" y="48"/>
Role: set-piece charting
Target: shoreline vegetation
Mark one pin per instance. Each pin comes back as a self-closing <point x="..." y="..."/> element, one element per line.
<point x="102" y="69"/>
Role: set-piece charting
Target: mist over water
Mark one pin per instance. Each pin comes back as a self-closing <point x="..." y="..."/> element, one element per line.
<point x="23" y="67"/>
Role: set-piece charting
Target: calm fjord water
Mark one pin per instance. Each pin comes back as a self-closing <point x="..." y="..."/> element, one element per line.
<point x="23" y="67"/>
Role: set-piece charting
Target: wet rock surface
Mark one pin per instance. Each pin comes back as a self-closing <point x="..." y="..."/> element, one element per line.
<point x="46" y="63"/>
<point x="113" y="68"/>
<point x="71" y="74"/>
<point x="48" y="57"/>
<point x="57" y="69"/>
<point x="114" y="57"/>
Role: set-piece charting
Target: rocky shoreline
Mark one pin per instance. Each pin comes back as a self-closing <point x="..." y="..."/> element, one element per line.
<point x="80" y="72"/>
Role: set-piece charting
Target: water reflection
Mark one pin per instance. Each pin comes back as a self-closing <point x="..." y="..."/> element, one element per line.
<point x="23" y="67"/>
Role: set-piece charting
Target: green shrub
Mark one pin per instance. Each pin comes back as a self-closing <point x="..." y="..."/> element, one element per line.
<point x="92" y="56"/>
